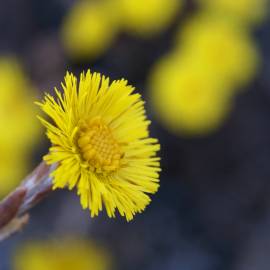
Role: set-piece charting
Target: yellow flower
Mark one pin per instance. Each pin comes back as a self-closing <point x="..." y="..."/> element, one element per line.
<point x="10" y="157"/>
<point x="17" y="112"/>
<point x="20" y="131"/>
<point x="88" y="29"/>
<point x="221" y="47"/>
<point x="187" y="98"/>
<point x="246" y="11"/>
<point x="100" y="141"/>
<point x="67" y="254"/>
<point x="147" y="18"/>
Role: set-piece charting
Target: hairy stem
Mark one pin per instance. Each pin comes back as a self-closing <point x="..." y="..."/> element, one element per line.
<point x="14" y="208"/>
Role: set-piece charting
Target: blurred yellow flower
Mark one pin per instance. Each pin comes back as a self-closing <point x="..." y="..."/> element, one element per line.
<point x="146" y="18"/>
<point x="67" y="254"/>
<point x="101" y="142"/>
<point x="89" y="29"/>
<point x="17" y="108"/>
<point x="187" y="98"/>
<point x="19" y="130"/>
<point x="10" y="177"/>
<point x="222" y="47"/>
<point x="242" y="11"/>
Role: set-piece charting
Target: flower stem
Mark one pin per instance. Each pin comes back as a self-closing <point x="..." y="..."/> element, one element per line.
<point x="14" y="208"/>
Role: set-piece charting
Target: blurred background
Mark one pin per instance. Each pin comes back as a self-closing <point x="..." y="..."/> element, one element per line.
<point x="203" y="67"/>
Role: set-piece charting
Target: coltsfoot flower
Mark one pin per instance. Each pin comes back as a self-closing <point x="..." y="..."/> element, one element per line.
<point x="101" y="142"/>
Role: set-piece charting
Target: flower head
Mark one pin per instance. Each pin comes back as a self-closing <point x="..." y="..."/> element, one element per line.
<point x="100" y="140"/>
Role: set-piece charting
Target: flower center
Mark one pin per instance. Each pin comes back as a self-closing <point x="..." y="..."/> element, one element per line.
<point x="98" y="146"/>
